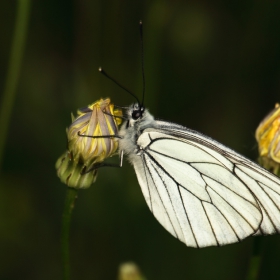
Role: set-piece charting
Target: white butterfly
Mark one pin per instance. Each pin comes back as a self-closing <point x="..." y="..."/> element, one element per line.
<point x="202" y="192"/>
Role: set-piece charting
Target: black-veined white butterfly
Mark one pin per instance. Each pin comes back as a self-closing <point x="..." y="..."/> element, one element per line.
<point x="202" y="192"/>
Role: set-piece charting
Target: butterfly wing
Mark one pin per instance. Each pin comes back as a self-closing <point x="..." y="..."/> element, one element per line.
<point x="202" y="192"/>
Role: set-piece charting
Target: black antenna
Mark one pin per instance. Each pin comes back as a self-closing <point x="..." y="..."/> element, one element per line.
<point x="142" y="61"/>
<point x="117" y="83"/>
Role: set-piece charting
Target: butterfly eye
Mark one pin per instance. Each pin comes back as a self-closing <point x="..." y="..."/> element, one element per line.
<point x="136" y="114"/>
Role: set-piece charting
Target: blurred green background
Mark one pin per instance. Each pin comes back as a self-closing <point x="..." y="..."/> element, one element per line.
<point x="211" y="66"/>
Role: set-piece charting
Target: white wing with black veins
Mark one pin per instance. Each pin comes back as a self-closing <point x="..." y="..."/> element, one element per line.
<point x="202" y="192"/>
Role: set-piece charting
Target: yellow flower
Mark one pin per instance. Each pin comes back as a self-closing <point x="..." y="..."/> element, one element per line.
<point x="76" y="167"/>
<point x="94" y="120"/>
<point x="268" y="138"/>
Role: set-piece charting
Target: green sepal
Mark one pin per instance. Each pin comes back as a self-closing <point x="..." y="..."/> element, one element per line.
<point x="70" y="172"/>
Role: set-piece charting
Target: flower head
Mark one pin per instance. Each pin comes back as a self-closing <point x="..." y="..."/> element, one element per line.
<point x="268" y="138"/>
<point x="95" y="120"/>
<point x="76" y="166"/>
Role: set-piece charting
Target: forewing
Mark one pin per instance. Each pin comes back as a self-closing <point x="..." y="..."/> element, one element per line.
<point x="202" y="192"/>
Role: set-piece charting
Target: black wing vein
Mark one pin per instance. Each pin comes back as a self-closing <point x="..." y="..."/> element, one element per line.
<point x="143" y="158"/>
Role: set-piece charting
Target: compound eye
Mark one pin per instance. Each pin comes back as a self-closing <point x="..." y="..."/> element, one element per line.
<point x="136" y="115"/>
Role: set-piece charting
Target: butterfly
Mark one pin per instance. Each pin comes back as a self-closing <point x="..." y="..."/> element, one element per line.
<point x="200" y="191"/>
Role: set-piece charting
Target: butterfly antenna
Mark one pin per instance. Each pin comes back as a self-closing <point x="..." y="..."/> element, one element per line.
<point x="142" y="61"/>
<point x="117" y="83"/>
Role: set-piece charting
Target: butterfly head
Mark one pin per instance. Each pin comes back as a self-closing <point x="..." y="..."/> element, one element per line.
<point x="138" y="116"/>
<point x="137" y="111"/>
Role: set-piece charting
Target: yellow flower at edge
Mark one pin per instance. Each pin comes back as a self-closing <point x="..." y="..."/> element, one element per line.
<point x="268" y="138"/>
<point x="130" y="271"/>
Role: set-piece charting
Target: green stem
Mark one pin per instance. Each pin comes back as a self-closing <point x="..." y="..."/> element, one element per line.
<point x="255" y="261"/>
<point x="13" y="71"/>
<point x="71" y="196"/>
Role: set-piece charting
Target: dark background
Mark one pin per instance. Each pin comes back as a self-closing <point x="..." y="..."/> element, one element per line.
<point x="211" y="66"/>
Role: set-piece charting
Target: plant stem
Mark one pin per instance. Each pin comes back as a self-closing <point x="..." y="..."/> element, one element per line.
<point x="71" y="196"/>
<point x="13" y="71"/>
<point x="255" y="261"/>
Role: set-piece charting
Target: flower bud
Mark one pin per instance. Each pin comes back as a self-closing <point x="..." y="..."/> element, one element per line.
<point x="76" y="167"/>
<point x="268" y="138"/>
<point x="130" y="271"/>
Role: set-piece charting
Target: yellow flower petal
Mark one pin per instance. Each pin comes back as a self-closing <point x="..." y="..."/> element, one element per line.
<point x="268" y="138"/>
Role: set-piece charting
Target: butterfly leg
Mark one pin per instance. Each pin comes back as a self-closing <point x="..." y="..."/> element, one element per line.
<point x="120" y="117"/>
<point x="100" y="136"/>
<point x="103" y="164"/>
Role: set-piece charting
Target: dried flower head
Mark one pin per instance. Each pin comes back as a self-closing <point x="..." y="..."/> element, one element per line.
<point x="85" y="151"/>
<point x="268" y="138"/>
